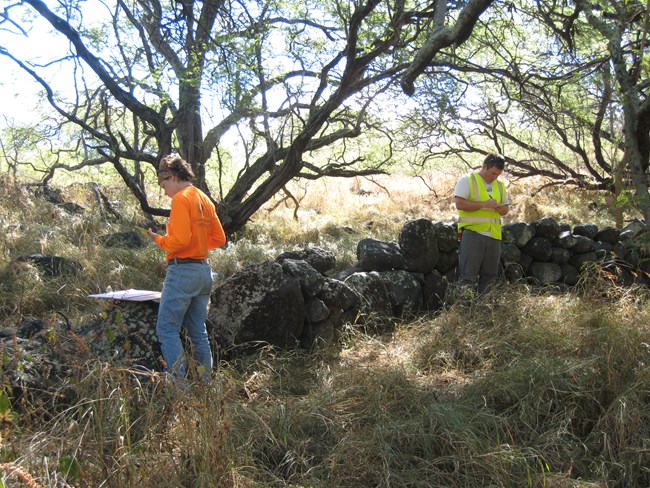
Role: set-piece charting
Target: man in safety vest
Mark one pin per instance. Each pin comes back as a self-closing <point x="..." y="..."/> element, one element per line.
<point x="481" y="201"/>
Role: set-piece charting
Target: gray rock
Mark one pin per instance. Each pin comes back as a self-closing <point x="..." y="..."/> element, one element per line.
<point x="316" y="310"/>
<point x="447" y="261"/>
<point x="579" y="260"/>
<point x="258" y="304"/>
<point x="570" y="274"/>
<point x="547" y="227"/>
<point x="447" y="236"/>
<point x="566" y="240"/>
<point x="545" y="273"/>
<point x="510" y="253"/>
<point x="418" y="245"/>
<point x="619" y="249"/>
<point x="36" y="370"/>
<point x="377" y="255"/>
<point x="337" y="294"/>
<point x="525" y="262"/>
<point x="560" y="255"/>
<point x="127" y="336"/>
<point x="539" y="248"/>
<point x="583" y="244"/>
<point x="632" y="229"/>
<point x="603" y="246"/>
<point x="318" y="334"/>
<point x="404" y="291"/>
<point x="319" y="259"/>
<point x="311" y="281"/>
<point x="611" y="235"/>
<point x="374" y="297"/>
<point x="518" y="232"/>
<point x="344" y="273"/>
<point x="586" y="230"/>
<point x="30" y="327"/>
<point x="513" y="272"/>
<point x="434" y="291"/>
<point x="8" y="332"/>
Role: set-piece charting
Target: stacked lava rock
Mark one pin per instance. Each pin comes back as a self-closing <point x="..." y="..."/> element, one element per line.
<point x="549" y="252"/>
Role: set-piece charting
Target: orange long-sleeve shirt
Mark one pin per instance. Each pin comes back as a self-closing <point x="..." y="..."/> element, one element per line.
<point x="193" y="227"/>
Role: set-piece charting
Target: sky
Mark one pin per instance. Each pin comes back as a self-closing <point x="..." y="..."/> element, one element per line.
<point x="18" y="94"/>
<point x="18" y="90"/>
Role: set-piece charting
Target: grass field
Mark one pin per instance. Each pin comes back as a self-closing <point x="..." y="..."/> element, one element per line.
<point x="528" y="388"/>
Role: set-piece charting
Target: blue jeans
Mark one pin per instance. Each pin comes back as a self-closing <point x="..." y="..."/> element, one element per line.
<point x="184" y="303"/>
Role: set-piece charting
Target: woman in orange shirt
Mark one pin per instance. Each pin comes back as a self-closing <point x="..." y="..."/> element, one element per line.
<point x="193" y="230"/>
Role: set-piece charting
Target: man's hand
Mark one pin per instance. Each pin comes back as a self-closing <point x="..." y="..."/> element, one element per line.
<point x="472" y="206"/>
<point x="492" y="204"/>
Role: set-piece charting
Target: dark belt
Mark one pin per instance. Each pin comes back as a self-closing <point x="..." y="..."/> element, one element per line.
<point x="186" y="261"/>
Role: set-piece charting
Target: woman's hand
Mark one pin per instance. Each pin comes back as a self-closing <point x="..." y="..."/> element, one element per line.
<point x="152" y="235"/>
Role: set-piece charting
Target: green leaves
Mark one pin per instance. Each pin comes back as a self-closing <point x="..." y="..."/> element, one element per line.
<point x="7" y="414"/>
<point x="70" y="467"/>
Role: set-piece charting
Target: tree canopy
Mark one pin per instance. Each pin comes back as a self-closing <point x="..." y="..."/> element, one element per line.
<point x="257" y="93"/>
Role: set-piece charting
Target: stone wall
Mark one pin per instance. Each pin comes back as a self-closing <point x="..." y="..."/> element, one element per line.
<point x="298" y="300"/>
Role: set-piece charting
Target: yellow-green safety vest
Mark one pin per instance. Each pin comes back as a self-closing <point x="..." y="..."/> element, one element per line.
<point x="485" y="219"/>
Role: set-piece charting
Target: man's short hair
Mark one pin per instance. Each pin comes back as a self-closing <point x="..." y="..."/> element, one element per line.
<point x="495" y="160"/>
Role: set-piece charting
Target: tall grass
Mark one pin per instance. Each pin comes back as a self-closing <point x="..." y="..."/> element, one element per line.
<point x="526" y="388"/>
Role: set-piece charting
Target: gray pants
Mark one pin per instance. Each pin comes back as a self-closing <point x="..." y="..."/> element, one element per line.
<point x="478" y="259"/>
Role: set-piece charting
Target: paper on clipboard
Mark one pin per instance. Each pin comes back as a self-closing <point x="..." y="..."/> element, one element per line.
<point x="130" y="295"/>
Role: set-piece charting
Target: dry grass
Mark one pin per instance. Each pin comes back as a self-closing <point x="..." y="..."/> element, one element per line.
<point x="529" y="387"/>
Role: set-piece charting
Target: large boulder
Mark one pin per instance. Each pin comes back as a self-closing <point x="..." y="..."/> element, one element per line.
<point x="404" y="290"/>
<point x="447" y="236"/>
<point x="338" y="295"/>
<point x="539" y="248"/>
<point x="374" y="255"/>
<point x="127" y="334"/>
<point x="311" y="281"/>
<point x="447" y="261"/>
<point x="545" y="273"/>
<point x="518" y="232"/>
<point x="418" y="244"/>
<point x="372" y="291"/>
<point x="547" y="227"/>
<point x="319" y="259"/>
<point x="583" y="244"/>
<point x="586" y="230"/>
<point x="258" y="304"/>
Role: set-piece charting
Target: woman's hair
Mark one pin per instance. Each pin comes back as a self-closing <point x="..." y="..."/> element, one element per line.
<point x="174" y="165"/>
